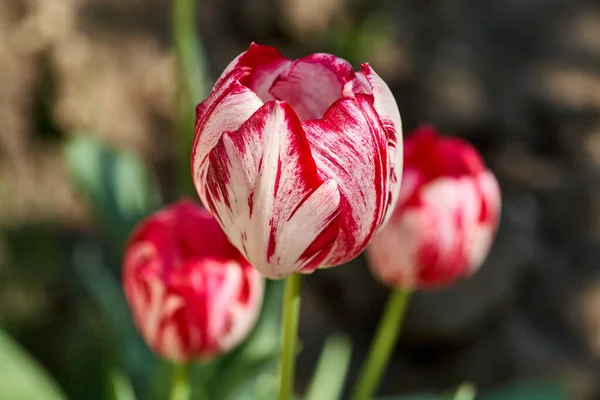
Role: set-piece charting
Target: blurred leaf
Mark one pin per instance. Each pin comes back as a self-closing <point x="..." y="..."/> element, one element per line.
<point x="466" y="391"/>
<point x="534" y="390"/>
<point x="106" y="291"/>
<point x="416" y="396"/>
<point x="21" y="377"/>
<point x="120" y="386"/>
<point x="115" y="183"/>
<point x="256" y="359"/>
<point x="330" y="374"/>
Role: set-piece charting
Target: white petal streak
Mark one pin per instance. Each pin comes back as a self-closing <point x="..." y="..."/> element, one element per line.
<point x="227" y="108"/>
<point x="243" y="315"/>
<point x="393" y="254"/>
<point x="261" y="183"/>
<point x="388" y="112"/>
<point x="447" y="198"/>
<point x="482" y="236"/>
<point x="349" y="146"/>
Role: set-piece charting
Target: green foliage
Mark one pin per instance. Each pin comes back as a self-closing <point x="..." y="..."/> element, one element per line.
<point x="192" y="82"/>
<point x="532" y="390"/>
<point x="21" y="377"/>
<point x="120" y="386"/>
<point x="120" y="191"/>
<point x="115" y="183"/>
<point x="330" y="373"/>
<point x="249" y="372"/>
<point x="132" y="353"/>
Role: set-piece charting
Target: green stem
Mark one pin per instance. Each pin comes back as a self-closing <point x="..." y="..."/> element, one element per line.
<point x="190" y="85"/>
<point x="180" y="388"/>
<point x="289" y="332"/>
<point x="382" y="345"/>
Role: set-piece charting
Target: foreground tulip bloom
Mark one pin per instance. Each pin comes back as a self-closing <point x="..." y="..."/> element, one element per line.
<point x="300" y="161"/>
<point x="445" y="218"/>
<point x="191" y="293"/>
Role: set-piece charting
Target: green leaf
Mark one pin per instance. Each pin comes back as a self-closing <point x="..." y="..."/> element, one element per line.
<point x="330" y="374"/>
<point x="115" y="183"/>
<point x="106" y="291"/>
<point x="22" y="377"/>
<point x="120" y="386"/>
<point x="414" y="396"/>
<point x="466" y="391"/>
<point x="532" y="390"/>
<point x="256" y="359"/>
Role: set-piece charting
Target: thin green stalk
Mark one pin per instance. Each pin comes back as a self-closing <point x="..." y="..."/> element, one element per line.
<point x="382" y="345"/>
<point x="289" y="333"/>
<point x="180" y="388"/>
<point x="191" y="87"/>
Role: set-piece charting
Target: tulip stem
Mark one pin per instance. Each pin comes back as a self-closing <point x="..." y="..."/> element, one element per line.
<point x="382" y="345"/>
<point x="190" y="73"/>
<point x="180" y="388"/>
<point x="289" y="332"/>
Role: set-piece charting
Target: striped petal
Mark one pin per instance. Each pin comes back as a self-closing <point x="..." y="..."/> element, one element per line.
<point x="264" y="188"/>
<point x="311" y="84"/>
<point x="349" y="147"/>
<point x="229" y="105"/>
<point x="265" y="64"/>
<point x="387" y="110"/>
<point x="192" y="294"/>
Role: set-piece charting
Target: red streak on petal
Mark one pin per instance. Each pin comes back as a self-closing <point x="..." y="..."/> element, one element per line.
<point x="277" y="177"/>
<point x="322" y="244"/>
<point x="251" y="203"/>
<point x="272" y="238"/>
<point x="244" y="296"/>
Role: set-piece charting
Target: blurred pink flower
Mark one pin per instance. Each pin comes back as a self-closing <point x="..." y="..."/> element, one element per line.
<point x="193" y="296"/>
<point x="445" y="219"/>
<point x="299" y="161"/>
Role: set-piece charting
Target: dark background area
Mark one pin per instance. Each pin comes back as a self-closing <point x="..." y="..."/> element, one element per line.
<point x="518" y="78"/>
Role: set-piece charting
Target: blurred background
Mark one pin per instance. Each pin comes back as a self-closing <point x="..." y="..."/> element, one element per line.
<point x="88" y="90"/>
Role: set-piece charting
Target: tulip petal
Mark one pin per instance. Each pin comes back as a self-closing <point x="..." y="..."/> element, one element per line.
<point x="388" y="113"/>
<point x="230" y="105"/>
<point x="396" y="266"/>
<point x="313" y="83"/>
<point x="265" y="62"/>
<point x="349" y="146"/>
<point x="256" y="56"/>
<point x="265" y="190"/>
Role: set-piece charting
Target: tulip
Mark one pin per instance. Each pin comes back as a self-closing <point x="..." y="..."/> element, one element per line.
<point x="441" y="229"/>
<point x="192" y="295"/>
<point x="299" y="161"/>
<point x="445" y="218"/>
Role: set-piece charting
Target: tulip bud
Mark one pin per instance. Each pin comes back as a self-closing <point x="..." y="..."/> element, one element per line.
<point x="299" y="161"/>
<point x="445" y="218"/>
<point x="191" y="293"/>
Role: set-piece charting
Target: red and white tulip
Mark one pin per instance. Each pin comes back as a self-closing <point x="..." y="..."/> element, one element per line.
<point x="300" y="161"/>
<point x="193" y="296"/>
<point x="445" y="219"/>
